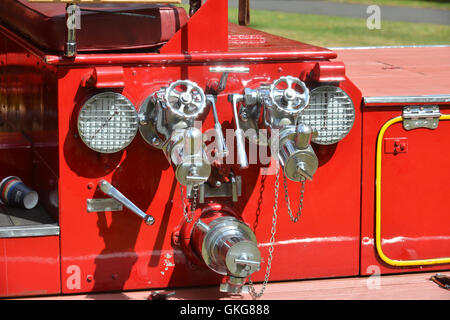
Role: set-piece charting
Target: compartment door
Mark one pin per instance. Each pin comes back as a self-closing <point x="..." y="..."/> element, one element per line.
<point x="412" y="193"/>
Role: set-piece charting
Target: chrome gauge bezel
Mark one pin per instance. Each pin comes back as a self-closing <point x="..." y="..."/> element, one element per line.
<point x="126" y="124"/>
<point x="343" y="119"/>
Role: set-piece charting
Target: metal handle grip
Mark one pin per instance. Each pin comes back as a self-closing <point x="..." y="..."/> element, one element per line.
<point x="247" y="262"/>
<point x="221" y="144"/>
<point x="240" y="145"/>
<point x="240" y="139"/>
<point x="109" y="190"/>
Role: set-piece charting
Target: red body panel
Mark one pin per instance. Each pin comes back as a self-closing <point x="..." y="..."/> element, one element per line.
<point x="415" y="222"/>
<point x="118" y="243"/>
<point x="29" y="266"/>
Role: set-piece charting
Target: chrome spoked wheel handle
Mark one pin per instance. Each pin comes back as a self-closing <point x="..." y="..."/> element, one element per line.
<point x="185" y="98"/>
<point x="289" y="94"/>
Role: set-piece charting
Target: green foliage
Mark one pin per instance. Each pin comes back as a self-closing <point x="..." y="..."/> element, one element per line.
<point x="434" y="4"/>
<point x="339" y="31"/>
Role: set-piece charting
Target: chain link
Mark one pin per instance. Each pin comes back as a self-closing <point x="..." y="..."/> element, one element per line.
<point x="193" y="205"/>
<point x="288" y="202"/>
<point x="251" y="288"/>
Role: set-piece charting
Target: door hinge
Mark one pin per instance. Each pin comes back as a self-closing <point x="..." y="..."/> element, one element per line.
<point x="421" y="117"/>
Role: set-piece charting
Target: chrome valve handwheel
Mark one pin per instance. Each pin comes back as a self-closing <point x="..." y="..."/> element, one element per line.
<point x="289" y="94"/>
<point x="185" y="98"/>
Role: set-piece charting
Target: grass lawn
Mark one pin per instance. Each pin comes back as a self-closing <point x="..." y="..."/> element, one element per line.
<point x="340" y="31"/>
<point x="433" y="4"/>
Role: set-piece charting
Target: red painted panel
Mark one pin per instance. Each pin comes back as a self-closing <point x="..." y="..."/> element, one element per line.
<point x="414" y="211"/>
<point x="203" y="32"/>
<point x="118" y="252"/>
<point x="29" y="266"/>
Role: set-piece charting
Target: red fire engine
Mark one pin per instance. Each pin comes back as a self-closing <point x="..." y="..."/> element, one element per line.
<point x="145" y="147"/>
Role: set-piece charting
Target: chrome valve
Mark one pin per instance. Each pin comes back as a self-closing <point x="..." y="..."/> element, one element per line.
<point x="185" y="98"/>
<point x="281" y="103"/>
<point x="185" y="150"/>
<point x="296" y="155"/>
<point x="167" y="122"/>
<point x="289" y="95"/>
<point x="228" y="246"/>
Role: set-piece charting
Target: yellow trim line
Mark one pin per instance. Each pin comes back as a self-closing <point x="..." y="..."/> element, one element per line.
<point x="397" y="263"/>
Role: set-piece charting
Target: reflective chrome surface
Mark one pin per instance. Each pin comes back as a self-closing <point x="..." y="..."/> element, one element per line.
<point x="331" y="113"/>
<point x="107" y="122"/>
<point x="229" y="247"/>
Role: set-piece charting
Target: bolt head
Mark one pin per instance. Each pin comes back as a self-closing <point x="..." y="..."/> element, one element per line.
<point x="149" y="220"/>
<point x="155" y="141"/>
<point x="289" y="94"/>
<point x="185" y="98"/>
<point x="243" y="116"/>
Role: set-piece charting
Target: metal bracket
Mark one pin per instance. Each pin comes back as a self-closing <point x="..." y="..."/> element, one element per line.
<point x="232" y="189"/>
<point x="103" y="205"/>
<point x="421" y="117"/>
<point x="395" y="145"/>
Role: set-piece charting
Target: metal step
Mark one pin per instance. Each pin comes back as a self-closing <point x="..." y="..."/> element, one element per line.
<point x="19" y="223"/>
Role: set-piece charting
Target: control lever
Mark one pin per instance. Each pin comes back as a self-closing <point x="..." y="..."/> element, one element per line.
<point x="240" y="139"/>
<point x="109" y="190"/>
<point x="234" y="190"/>
<point x="225" y="72"/>
<point x="221" y="144"/>
<point x="246" y="262"/>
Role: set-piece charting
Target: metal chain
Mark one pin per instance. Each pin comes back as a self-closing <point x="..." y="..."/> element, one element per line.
<point x="194" y="203"/>
<point x="288" y="202"/>
<point x="252" y="291"/>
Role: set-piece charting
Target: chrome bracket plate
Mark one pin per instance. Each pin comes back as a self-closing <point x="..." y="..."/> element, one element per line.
<point x="421" y="117"/>
<point x="147" y="127"/>
<point x="249" y="122"/>
<point x="225" y="190"/>
<point x="103" y="205"/>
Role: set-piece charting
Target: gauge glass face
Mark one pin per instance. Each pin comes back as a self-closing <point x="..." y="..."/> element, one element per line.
<point x="108" y="122"/>
<point x="330" y="112"/>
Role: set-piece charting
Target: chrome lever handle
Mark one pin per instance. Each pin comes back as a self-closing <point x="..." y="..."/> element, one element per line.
<point x="240" y="139"/>
<point x="221" y="144"/>
<point x="109" y="190"/>
<point x="247" y="262"/>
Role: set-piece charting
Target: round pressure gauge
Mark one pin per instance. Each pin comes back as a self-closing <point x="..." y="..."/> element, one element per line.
<point x="108" y="122"/>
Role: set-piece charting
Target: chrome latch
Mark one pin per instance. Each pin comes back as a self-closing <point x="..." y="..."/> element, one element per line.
<point x="421" y="117"/>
